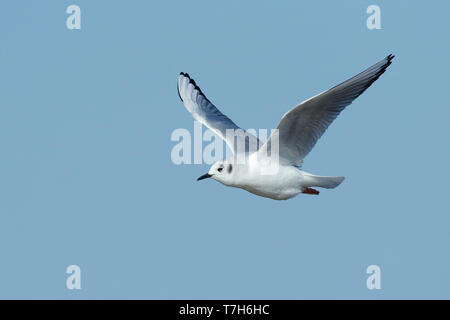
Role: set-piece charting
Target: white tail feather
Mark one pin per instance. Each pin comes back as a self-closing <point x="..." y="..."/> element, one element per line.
<point x="321" y="181"/>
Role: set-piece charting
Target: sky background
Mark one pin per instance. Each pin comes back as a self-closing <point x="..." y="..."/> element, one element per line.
<point x="86" y="176"/>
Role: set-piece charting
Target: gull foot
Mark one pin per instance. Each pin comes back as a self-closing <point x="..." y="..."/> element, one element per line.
<point x="310" y="191"/>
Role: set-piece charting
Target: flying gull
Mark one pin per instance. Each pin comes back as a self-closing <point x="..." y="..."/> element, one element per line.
<point x="295" y="136"/>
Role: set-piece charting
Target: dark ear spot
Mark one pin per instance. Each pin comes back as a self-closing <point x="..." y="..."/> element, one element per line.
<point x="230" y="168"/>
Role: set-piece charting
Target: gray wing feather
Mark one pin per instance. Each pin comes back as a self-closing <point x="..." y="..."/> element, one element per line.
<point x="301" y="127"/>
<point x="206" y="113"/>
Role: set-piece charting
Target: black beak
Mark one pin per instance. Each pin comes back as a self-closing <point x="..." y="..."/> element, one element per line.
<point x="206" y="175"/>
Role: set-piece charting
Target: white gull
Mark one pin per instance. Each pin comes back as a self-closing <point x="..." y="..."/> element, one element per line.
<point x="296" y="134"/>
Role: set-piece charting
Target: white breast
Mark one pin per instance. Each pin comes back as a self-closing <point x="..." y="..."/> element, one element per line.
<point x="283" y="184"/>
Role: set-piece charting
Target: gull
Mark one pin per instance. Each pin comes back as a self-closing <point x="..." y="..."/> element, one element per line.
<point x="295" y="136"/>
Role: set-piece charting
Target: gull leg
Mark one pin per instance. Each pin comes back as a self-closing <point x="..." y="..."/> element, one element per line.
<point x="310" y="191"/>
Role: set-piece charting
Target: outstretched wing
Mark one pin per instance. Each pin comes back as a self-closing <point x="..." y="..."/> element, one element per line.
<point x="205" y="112"/>
<point x="301" y="127"/>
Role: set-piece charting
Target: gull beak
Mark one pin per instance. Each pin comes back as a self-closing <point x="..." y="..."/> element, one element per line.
<point x="206" y="175"/>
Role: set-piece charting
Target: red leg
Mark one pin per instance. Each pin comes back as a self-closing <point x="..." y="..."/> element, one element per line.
<point x="310" y="191"/>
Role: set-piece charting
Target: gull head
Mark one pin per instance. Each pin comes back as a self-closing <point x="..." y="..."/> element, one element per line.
<point x="222" y="171"/>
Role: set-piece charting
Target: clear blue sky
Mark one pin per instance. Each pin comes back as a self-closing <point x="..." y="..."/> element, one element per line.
<point x="86" y="176"/>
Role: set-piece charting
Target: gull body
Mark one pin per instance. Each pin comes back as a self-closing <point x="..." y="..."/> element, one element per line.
<point x="287" y="182"/>
<point x="296" y="134"/>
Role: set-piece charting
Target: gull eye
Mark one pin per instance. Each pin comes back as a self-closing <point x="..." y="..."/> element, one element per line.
<point x="220" y="169"/>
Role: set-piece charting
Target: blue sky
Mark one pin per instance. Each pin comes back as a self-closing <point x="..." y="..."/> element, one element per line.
<point x="86" y="176"/>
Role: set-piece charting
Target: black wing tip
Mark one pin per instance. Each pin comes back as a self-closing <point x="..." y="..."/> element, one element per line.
<point x="192" y="81"/>
<point x="380" y="72"/>
<point x="389" y="60"/>
<point x="178" y="87"/>
<point x="388" y="63"/>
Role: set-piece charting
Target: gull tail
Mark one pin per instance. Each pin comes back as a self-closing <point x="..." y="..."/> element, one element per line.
<point x="321" y="181"/>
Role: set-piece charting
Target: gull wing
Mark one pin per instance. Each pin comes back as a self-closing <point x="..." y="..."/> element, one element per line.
<point x="301" y="127"/>
<point x="205" y="112"/>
